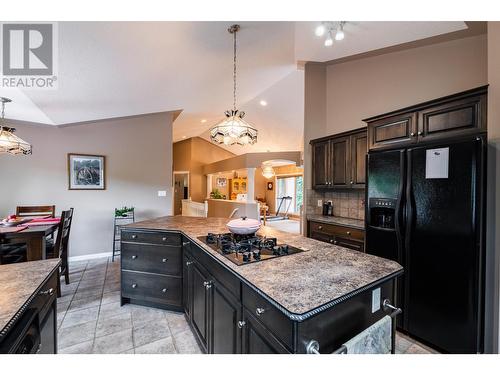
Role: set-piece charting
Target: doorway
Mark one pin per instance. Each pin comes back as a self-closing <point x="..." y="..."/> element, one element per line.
<point x="181" y="190"/>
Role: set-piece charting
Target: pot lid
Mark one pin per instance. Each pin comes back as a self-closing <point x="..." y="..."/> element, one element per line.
<point x="244" y="222"/>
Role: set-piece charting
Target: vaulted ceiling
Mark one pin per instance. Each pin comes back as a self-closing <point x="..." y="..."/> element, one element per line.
<point x="116" y="69"/>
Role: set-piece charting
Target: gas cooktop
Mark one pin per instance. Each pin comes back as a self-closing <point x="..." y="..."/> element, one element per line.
<point x="245" y="249"/>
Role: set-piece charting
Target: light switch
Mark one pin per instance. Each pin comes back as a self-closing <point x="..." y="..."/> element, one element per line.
<point x="162" y="193"/>
<point x="320" y="203"/>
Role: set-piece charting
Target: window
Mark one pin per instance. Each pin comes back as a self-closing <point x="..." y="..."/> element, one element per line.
<point x="289" y="194"/>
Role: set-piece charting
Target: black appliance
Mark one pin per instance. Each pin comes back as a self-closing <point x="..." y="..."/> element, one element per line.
<point x="434" y="227"/>
<point x="245" y="249"/>
<point x="328" y="209"/>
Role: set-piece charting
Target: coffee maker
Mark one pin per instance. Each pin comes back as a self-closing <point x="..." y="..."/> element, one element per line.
<point x="328" y="208"/>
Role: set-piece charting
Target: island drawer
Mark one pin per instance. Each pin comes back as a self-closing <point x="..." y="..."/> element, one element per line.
<point x="152" y="288"/>
<point x="157" y="238"/>
<point x="337" y="230"/>
<point x="273" y="319"/>
<point x="165" y="260"/>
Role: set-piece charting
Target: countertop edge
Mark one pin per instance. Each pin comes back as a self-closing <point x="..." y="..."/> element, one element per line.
<point x="292" y="316"/>
<point x="332" y="222"/>
<point x="15" y="318"/>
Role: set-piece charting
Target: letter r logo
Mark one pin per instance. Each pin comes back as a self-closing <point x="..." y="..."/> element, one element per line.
<point x="27" y="49"/>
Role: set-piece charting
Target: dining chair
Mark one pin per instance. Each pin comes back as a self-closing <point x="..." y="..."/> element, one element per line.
<point x="60" y="248"/>
<point x="36" y="211"/>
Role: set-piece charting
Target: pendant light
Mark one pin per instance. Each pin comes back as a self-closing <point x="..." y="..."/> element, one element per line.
<point x="10" y="143"/>
<point x="268" y="170"/>
<point x="233" y="129"/>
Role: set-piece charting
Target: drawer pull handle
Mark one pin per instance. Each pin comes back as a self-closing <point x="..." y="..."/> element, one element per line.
<point x="348" y="233"/>
<point x="134" y="236"/>
<point x="241" y="324"/>
<point x="320" y="227"/>
<point x="164" y="260"/>
<point x="352" y="182"/>
<point x="164" y="239"/>
<point x="134" y="286"/>
<point x="259" y="311"/>
<point x="331" y="241"/>
<point x="186" y="243"/>
<point x="419" y="133"/>
<point x="188" y="263"/>
<point x="207" y="284"/>
<point x="48" y="292"/>
<point x="164" y="290"/>
<point x="134" y="256"/>
<point x="335" y="242"/>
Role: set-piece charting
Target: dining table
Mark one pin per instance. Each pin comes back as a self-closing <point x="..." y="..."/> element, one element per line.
<point x="35" y="237"/>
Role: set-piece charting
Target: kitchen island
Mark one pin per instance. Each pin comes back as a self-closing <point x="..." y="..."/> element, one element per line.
<point x="28" y="307"/>
<point x="326" y="293"/>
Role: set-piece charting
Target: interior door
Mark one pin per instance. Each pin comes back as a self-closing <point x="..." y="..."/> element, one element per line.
<point x="445" y="258"/>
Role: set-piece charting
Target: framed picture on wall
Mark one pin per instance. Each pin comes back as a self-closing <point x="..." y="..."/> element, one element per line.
<point x="86" y="172"/>
<point x="221" y="181"/>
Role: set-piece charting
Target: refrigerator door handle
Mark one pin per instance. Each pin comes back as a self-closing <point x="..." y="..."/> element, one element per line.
<point x="399" y="217"/>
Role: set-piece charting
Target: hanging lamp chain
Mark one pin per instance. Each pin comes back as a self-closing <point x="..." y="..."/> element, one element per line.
<point x="234" y="70"/>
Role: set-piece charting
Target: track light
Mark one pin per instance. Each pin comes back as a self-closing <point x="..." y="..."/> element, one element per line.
<point x="339" y="35"/>
<point x="320" y="30"/>
<point x="329" y="40"/>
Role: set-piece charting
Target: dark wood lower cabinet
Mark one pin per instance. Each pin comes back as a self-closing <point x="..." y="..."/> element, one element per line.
<point x="227" y="315"/>
<point x="257" y="339"/>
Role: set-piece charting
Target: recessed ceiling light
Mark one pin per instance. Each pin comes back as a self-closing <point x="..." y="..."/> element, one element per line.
<point x="263" y="103"/>
<point x="203" y="121"/>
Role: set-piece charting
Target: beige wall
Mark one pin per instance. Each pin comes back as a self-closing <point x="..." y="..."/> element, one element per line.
<point x="363" y="88"/>
<point x="493" y="212"/>
<point x="138" y="154"/>
<point x="192" y="155"/>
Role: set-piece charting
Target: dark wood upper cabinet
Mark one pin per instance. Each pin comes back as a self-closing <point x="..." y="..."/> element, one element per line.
<point x="359" y="146"/>
<point x="338" y="161"/>
<point x="321" y="155"/>
<point x="454" y="115"/>
<point x="394" y="130"/>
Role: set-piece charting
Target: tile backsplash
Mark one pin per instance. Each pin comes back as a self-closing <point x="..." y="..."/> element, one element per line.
<point x="349" y="203"/>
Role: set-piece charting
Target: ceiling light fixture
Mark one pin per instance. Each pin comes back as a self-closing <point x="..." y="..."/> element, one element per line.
<point x="331" y="29"/>
<point x="10" y="143"/>
<point x="233" y="129"/>
<point x="268" y="170"/>
<point x="203" y="121"/>
<point x="263" y="103"/>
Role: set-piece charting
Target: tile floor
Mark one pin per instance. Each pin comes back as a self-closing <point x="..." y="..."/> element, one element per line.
<point x="91" y="320"/>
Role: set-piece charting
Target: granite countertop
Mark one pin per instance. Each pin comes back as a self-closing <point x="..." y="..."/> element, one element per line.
<point x="337" y="220"/>
<point x="300" y="282"/>
<point x="18" y="283"/>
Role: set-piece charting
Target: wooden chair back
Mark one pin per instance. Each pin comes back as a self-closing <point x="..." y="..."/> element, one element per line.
<point x="62" y="240"/>
<point x="36" y="211"/>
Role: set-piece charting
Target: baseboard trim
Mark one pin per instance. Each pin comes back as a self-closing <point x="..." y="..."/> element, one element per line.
<point x="90" y="256"/>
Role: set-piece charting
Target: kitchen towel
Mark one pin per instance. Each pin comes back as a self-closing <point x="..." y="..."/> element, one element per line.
<point x="376" y="339"/>
<point x="47" y="221"/>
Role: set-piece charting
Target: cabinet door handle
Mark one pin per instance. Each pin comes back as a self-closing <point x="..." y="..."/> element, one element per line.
<point x="164" y="239"/>
<point x="134" y="286"/>
<point x="352" y="182"/>
<point x="134" y="256"/>
<point x="207" y="284"/>
<point x="186" y="243"/>
<point x="348" y="233"/>
<point x="259" y="311"/>
<point x="320" y="227"/>
<point x="164" y="290"/>
<point x="134" y="236"/>
<point x="331" y="241"/>
<point x="188" y="263"/>
<point x="164" y="260"/>
<point x="241" y="324"/>
<point x="48" y="292"/>
<point x="412" y="134"/>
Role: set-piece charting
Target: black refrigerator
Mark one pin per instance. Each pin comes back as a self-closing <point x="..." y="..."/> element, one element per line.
<point x="425" y="208"/>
